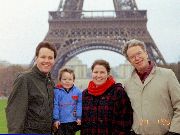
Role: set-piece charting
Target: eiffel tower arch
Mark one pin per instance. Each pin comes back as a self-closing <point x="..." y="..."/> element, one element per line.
<point x="73" y="30"/>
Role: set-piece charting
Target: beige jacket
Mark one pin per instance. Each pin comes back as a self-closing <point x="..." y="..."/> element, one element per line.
<point x="156" y="103"/>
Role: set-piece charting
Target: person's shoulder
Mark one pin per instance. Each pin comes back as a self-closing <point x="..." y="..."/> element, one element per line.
<point x="164" y="71"/>
<point x="57" y="90"/>
<point x="132" y="74"/>
<point x="22" y="75"/>
<point x="117" y="86"/>
<point x="25" y="74"/>
<point x="85" y="92"/>
<point x="117" y="90"/>
<point x="77" y="89"/>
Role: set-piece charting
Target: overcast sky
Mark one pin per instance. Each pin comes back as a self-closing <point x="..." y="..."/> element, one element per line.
<point x="24" y="23"/>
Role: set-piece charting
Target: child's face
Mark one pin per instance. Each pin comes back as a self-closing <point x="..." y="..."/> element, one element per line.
<point x="67" y="80"/>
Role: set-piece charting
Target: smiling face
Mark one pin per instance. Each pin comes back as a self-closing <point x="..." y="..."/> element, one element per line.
<point x="45" y="60"/>
<point x="67" y="80"/>
<point x="99" y="74"/>
<point x="138" y="58"/>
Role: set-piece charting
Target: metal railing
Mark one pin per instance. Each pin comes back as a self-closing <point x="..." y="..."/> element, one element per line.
<point x="122" y="14"/>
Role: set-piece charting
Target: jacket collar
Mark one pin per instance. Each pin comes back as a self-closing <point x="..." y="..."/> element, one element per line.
<point x="39" y="73"/>
<point x="148" y="79"/>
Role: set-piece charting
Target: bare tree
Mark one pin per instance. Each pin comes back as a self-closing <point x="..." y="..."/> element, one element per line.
<point x="7" y="77"/>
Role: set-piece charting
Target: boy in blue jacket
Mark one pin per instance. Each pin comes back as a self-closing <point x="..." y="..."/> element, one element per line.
<point x="67" y="104"/>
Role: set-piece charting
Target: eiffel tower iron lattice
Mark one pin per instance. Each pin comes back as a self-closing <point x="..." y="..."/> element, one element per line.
<point x="73" y="30"/>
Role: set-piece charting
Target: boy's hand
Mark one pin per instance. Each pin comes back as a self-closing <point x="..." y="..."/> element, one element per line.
<point x="56" y="124"/>
<point x="78" y="122"/>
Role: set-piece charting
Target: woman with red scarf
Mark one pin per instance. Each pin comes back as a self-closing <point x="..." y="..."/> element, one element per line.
<point x="106" y="108"/>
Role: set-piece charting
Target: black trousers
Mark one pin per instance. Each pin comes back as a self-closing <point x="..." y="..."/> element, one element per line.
<point x="69" y="128"/>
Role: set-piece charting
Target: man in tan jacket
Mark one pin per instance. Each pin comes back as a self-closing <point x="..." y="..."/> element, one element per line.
<point x="154" y="93"/>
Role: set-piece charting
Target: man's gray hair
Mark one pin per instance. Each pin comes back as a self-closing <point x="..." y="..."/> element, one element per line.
<point x="131" y="43"/>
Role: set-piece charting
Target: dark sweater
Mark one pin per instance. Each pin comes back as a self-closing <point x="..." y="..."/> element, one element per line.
<point x="107" y="114"/>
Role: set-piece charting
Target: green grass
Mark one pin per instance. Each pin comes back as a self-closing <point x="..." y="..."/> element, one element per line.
<point x="3" y="123"/>
<point x="77" y="133"/>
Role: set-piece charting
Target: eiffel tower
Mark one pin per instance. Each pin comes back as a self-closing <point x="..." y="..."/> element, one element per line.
<point x="74" y="30"/>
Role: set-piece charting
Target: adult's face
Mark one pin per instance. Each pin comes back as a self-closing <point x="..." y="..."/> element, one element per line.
<point x="99" y="74"/>
<point x="138" y="58"/>
<point x="45" y="60"/>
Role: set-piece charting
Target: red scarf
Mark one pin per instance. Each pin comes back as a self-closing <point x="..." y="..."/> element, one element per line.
<point x="99" y="90"/>
<point x="146" y="73"/>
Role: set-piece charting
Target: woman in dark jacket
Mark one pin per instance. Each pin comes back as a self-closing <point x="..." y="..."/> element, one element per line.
<point x="30" y="105"/>
<point x="106" y="108"/>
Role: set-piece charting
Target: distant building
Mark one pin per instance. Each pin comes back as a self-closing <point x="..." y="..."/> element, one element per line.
<point x="79" y="68"/>
<point x="123" y="71"/>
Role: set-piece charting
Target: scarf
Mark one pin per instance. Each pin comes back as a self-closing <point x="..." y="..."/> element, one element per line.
<point x="99" y="90"/>
<point x="146" y="73"/>
<point x="59" y="86"/>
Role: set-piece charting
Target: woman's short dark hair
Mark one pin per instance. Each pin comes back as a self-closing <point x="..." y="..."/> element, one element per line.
<point x="45" y="44"/>
<point x="103" y="63"/>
